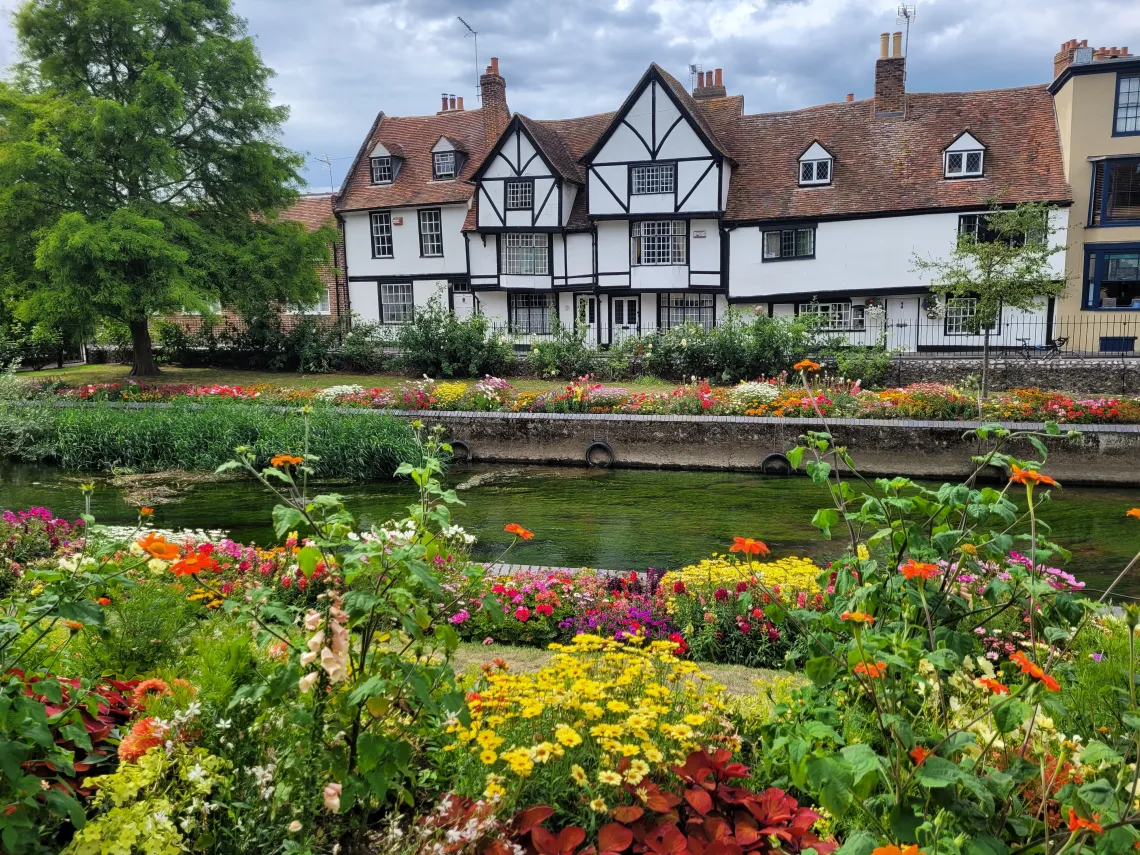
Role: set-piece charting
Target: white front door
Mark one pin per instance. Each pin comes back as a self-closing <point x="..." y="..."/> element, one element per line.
<point x="586" y="317"/>
<point x="902" y="323"/>
<point x="463" y="304"/>
<point x="626" y="317"/>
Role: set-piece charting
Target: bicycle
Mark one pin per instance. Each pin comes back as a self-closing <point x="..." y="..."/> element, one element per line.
<point x="1050" y="350"/>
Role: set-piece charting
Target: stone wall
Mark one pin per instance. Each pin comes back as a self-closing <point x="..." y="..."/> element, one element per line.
<point x="1098" y="376"/>
<point x="1103" y="455"/>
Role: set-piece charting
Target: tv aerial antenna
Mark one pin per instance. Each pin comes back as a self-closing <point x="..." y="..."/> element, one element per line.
<point x="474" y="35"/>
<point x="906" y="14"/>
<point x="695" y="68"/>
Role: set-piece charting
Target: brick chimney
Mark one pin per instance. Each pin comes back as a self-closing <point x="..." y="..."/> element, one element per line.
<point x="710" y="84"/>
<point x="890" y="77"/>
<point x="496" y="114"/>
<point x="1064" y="57"/>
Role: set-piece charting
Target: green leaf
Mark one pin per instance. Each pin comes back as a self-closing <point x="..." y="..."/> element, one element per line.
<point x="1009" y="715"/>
<point x="795" y="456"/>
<point x="83" y="611"/>
<point x="821" y="670"/>
<point x="825" y="519"/>
<point x="1096" y="753"/>
<point x="286" y="519"/>
<point x="864" y="763"/>
<point x="227" y="466"/>
<point x="858" y="843"/>
<point x="307" y="560"/>
<point x="1099" y="794"/>
<point x="938" y="772"/>
<point x="818" y="470"/>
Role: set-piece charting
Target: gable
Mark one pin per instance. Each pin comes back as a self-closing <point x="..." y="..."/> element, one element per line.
<point x="965" y="142"/>
<point x="380" y="151"/>
<point x="816" y="152"/>
<point x="515" y="154"/>
<point x="444" y="144"/>
<point x="653" y="124"/>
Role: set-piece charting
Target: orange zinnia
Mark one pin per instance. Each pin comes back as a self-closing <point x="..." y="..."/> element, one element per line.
<point x="516" y="529"/>
<point x="749" y="546"/>
<point x="104" y="601"/>
<point x="142" y="738"/>
<point x="896" y="850"/>
<point x="157" y="547"/>
<point x="857" y="617"/>
<point x="913" y="569"/>
<point x="144" y="511"/>
<point x="806" y="365"/>
<point x="994" y="686"/>
<point x="1035" y="671"/>
<point x="918" y="754"/>
<point x="280" y="460"/>
<point x="1133" y="512"/>
<point x="1076" y="823"/>
<point x="874" y="670"/>
<point x="1029" y="477"/>
<point x="193" y="564"/>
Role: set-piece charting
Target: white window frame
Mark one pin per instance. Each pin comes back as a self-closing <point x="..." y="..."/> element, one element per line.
<point x="323" y="306"/>
<point x="397" y="303"/>
<point x="659" y="243"/>
<point x="443" y="165"/>
<point x="837" y="317"/>
<point x="959" y="311"/>
<point x="381" y="166"/>
<point x="652" y="178"/>
<point x="956" y="164"/>
<point x="520" y="195"/>
<point x="812" y="172"/>
<point x="525" y="254"/>
<point x="380" y="226"/>
<point x="431" y="237"/>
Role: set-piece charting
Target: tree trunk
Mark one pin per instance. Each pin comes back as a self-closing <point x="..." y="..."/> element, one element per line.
<point x="143" y="364"/>
<point x="985" y="363"/>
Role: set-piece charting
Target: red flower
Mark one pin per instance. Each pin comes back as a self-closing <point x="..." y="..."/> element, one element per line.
<point x="994" y="686"/>
<point x="749" y="546"/>
<point x="857" y="617"/>
<point x="721" y="594"/>
<point x="522" y="613"/>
<point x="678" y="587"/>
<point x="745" y="627"/>
<point x="1029" y="477"/>
<point x="679" y="640"/>
<point x="518" y="531"/>
<point x="104" y="601"/>
<point x="919" y="754"/>
<point x="193" y="564"/>
<point x="1076" y="823"/>
<point x="544" y="609"/>
<point x="1035" y="671"/>
<point x="914" y="570"/>
<point x="874" y="670"/>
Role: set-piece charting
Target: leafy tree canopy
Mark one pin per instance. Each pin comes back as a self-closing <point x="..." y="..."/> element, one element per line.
<point x="140" y="167"/>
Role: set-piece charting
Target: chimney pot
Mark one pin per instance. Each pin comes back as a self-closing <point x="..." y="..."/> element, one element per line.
<point x="451" y="102"/>
<point x="443" y="97"/>
<point x="718" y="78"/>
<point x="494" y="65"/>
<point x="850" y="97"/>
<point x="890" y="83"/>
<point x="460" y="102"/>
<point x="897" y="45"/>
<point x="701" y="79"/>
<point x="496" y="113"/>
<point x="884" y="42"/>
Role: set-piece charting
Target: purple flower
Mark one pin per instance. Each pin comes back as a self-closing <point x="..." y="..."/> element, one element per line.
<point x="1096" y="657"/>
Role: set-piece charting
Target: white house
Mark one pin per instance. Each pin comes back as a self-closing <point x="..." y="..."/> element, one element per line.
<point x="680" y="205"/>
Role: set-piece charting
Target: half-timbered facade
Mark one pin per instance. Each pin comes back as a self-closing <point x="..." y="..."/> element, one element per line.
<point x="679" y="206"/>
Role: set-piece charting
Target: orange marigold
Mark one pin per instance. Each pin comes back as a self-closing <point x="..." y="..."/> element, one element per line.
<point x="1035" y="671"/>
<point x="284" y="460"/>
<point x="518" y="530"/>
<point x="1076" y="823"/>
<point x="144" y="511"/>
<point x="916" y="570"/>
<point x="896" y="850"/>
<point x="1133" y="512"/>
<point x="857" y="617"/>
<point x="1030" y="477"/>
<point x="193" y="564"/>
<point x="874" y="670"/>
<point x="749" y="546"/>
<point x="143" y="737"/>
<point x="157" y="547"/>
<point x="146" y="689"/>
<point x="104" y="601"/>
<point x="994" y="686"/>
<point x="806" y="365"/>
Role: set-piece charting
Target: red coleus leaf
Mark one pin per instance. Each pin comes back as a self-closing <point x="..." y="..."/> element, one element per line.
<point x="716" y="828"/>
<point x="628" y="813"/>
<point x="527" y="819"/>
<point x="735" y="770"/>
<point x="614" y="837"/>
<point x="699" y="800"/>
<point x="564" y="844"/>
<point x="720" y="848"/>
<point x="660" y="802"/>
<point x="666" y="839"/>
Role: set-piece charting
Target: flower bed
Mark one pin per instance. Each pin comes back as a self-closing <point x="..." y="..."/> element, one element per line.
<point x="771" y="397"/>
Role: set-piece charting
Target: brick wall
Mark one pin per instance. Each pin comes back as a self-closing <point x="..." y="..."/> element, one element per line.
<point x="1090" y="376"/>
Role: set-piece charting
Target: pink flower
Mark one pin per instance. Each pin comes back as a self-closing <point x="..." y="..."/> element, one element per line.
<point x="545" y="609"/>
<point x="332" y="797"/>
<point x="488" y="640"/>
<point x="522" y="613"/>
<point x="312" y="621"/>
<point x="307" y="682"/>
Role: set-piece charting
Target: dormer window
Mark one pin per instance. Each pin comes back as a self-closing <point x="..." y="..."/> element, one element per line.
<point x="815" y="166"/>
<point x="382" y="170"/>
<point x="964" y="158"/>
<point x="443" y="165"/>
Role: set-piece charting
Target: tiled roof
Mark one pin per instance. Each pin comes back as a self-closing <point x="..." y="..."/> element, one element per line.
<point x="412" y="138"/>
<point x="312" y="209"/>
<point x="884" y="165"/>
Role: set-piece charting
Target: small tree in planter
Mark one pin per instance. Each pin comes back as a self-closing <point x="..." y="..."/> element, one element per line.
<point x="1005" y="263"/>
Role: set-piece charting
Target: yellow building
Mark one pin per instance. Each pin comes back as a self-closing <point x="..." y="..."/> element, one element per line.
<point x="1096" y="93"/>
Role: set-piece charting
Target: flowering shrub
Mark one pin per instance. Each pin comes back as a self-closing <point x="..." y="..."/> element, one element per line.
<point x="31" y="535"/>
<point x="599" y="716"/>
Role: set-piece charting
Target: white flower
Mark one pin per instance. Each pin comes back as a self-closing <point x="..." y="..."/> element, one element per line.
<point x="224" y="724"/>
<point x="196" y="775"/>
<point x="306" y="683"/>
<point x="295" y="826"/>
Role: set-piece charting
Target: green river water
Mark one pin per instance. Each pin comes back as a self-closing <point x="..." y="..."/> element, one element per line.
<point x="614" y="519"/>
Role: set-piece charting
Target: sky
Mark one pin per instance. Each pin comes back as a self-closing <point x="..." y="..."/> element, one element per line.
<point x="339" y="62"/>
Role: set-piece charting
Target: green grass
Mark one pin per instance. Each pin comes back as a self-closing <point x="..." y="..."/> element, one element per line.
<point x="79" y="375"/>
<point x="739" y="681"/>
<point x="100" y="438"/>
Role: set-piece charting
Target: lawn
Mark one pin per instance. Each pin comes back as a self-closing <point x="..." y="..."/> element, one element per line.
<point x="738" y="680"/>
<point x="79" y="375"/>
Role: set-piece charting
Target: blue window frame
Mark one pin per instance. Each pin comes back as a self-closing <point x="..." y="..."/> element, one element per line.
<point x="1112" y="276"/>
<point x="1126" y="112"/>
<point x="1115" y="196"/>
